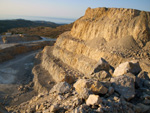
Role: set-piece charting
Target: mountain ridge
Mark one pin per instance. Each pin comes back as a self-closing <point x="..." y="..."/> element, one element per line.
<point x="5" y="25"/>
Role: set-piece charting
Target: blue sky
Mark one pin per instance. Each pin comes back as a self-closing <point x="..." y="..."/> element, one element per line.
<point x="63" y="8"/>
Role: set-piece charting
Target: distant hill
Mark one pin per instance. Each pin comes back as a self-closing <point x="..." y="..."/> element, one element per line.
<point x="42" y="31"/>
<point x="5" y="25"/>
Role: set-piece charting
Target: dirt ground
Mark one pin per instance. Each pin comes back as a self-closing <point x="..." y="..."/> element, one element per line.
<point x="15" y="78"/>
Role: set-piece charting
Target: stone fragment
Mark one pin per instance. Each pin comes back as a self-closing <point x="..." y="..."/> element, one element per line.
<point x="41" y="106"/>
<point x="98" y="88"/>
<point x="94" y="86"/>
<point x="138" y="82"/>
<point x="146" y="96"/>
<point x="31" y="84"/>
<point x="85" y="93"/>
<point x="93" y="100"/>
<point x="146" y="83"/>
<point x="59" y="97"/>
<point x="111" y="70"/>
<point x="124" y="85"/>
<point x="102" y="75"/>
<point x="115" y="98"/>
<point x="137" y="109"/>
<point x="61" y="88"/>
<point x="126" y="67"/>
<point x="143" y="75"/>
<point x="146" y="101"/>
<point x="77" y="102"/>
<point x="37" y="107"/>
<point x="81" y="109"/>
<point x="149" y="74"/>
<point x="46" y="111"/>
<point x="20" y="88"/>
<point x="40" y="95"/>
<point x="110" y="90"/>
<point x="144" y="108"/>
<point x="132" y="76"/>
<point x="101" y="65"/>
<point x="2" y="109"/>
<point x="68" y="79"/>
<point x="100" y="110"/>
<point x="54" y="108"/>
<point x="81" y="84"/>
<point x="106" y="83"/>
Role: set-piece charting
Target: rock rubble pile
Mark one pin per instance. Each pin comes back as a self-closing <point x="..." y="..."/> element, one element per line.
<point x="126" y="92"/>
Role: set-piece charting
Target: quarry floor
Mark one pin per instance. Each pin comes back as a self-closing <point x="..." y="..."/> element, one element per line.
<point x="16" y="73"/>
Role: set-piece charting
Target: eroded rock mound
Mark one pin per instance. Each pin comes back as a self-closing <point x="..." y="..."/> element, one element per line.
<point x="94" y="96"/>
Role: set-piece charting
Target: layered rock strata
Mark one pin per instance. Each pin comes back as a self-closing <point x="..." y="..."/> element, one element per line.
<point x="113" y="34"/>
<point x="50" y="70"/>
<point x="110" y="33"/>
<point x="113" y="23"/>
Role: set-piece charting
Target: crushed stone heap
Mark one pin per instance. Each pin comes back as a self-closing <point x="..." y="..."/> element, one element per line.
<point x="102" y="65"/>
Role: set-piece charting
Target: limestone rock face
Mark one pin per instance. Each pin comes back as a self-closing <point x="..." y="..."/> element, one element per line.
<point x="123" y="21"/>
<point x="107" y="33"/>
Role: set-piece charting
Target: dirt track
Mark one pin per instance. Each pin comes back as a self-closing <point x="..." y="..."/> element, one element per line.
<point x="14" y="73"/>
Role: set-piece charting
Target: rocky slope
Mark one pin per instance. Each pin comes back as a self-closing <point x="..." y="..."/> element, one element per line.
<point x="101" y="65"/>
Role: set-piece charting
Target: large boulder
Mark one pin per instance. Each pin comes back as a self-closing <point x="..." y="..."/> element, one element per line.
<point x="124" y="85"/>
<point x="127" y="67"/>
<point x="94" y="86"/>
